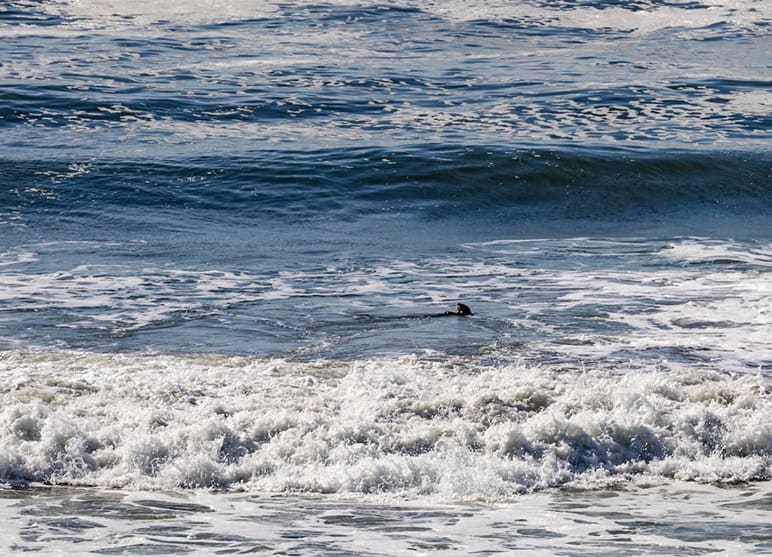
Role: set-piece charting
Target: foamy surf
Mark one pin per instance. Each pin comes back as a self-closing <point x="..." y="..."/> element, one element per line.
<point x="432" y="428"/>
<point x="603" y="303"/>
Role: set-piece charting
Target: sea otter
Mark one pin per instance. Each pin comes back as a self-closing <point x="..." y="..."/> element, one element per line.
<point x="462" y="310"/>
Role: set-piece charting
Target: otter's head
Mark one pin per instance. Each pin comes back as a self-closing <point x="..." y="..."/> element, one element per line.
<point x="463" y="309"/>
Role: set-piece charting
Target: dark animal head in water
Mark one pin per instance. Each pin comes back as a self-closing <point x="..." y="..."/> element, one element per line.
<point x="463" y="309"/>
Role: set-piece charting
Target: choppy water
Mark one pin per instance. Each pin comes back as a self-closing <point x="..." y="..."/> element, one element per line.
<point x="226" y="229"/>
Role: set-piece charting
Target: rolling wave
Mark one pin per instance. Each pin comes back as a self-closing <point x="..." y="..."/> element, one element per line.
<point x="432" y="182"/>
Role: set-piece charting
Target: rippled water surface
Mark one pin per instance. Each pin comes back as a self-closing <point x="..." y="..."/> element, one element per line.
<point x="700" y="521"/>
<point x="230" y="231"/>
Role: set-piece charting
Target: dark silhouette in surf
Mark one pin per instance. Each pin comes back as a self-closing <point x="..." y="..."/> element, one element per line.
<point x="462" y="310"/>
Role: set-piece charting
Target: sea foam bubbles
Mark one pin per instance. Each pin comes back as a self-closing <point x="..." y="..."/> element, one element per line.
<point x="447" y="428"/>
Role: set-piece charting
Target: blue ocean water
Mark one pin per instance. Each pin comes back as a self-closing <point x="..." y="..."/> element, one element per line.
<point x="227" y="228"/>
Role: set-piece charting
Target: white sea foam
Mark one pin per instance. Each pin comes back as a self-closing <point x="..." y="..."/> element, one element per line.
<point x="650" y="19"/>
<point x="452" y="429"/>
<point x="668" y="101"/>
<point x="714" y="305"/>
<point x="696" y="300"/>
<point x="642" y="17"/>
<point x="704" y="250"/>
<point x="661" y="118"/>
<point x="122" y="14"/>
<point x="107" y="297"/>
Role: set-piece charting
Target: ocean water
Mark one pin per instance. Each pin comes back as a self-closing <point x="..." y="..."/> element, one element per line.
<point x="229" y="232"/>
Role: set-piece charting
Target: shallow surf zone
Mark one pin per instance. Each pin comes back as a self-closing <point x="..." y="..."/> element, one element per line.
<point x="673" y="518"/>
<point x="432" y="428"/>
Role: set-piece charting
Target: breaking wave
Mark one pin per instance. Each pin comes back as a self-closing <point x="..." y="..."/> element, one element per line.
<point x="435" y="427"/>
